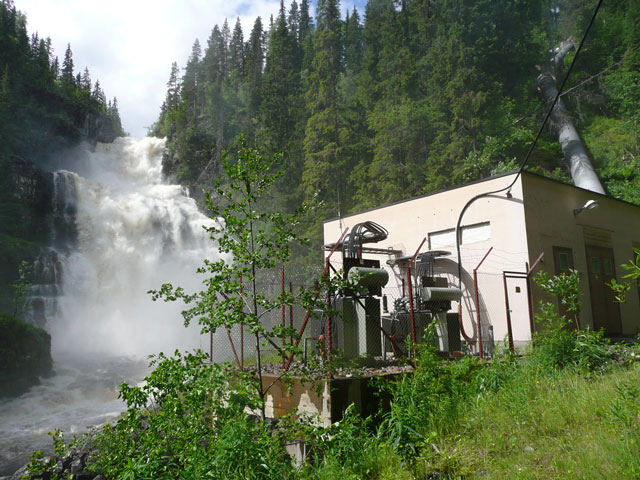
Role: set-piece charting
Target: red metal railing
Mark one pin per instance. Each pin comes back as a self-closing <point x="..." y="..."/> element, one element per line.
<point x="475" y="288"/>
<point x="315" y="297"/>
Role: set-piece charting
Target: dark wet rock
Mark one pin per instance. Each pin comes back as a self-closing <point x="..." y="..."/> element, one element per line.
<point x="25" y="355"/>
<point x="74" y="465"/>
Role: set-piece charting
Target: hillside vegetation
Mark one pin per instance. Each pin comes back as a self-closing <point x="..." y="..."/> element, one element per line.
<point x="568" y="409"/>
<point x="405" y="98"/>
<point x="45" y="108"/>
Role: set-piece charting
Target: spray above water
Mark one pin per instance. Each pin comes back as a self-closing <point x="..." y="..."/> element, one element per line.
<point x="118" y="231"/>
<point x="131" y="233"/>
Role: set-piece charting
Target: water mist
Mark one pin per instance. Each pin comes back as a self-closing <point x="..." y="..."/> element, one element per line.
<point x="119" y="231"/>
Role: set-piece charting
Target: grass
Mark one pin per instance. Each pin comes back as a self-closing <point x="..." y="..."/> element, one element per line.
<point x="560" y="426"/>
<point x="568" y="409"/>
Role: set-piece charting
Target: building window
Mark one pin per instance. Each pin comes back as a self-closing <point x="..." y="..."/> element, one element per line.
<point x="562" y="259"/>
<point x="478" y="232"/>
<point x="443" y="238"/>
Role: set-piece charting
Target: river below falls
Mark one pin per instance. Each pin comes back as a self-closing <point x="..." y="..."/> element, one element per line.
<point x="83" y="392"/>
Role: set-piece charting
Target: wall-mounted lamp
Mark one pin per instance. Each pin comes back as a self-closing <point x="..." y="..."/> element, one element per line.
<point x="589" y="205"/>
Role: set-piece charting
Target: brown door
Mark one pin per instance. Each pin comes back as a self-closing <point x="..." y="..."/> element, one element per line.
<point x="563" y="262"/>
<point x="604" y="308"/>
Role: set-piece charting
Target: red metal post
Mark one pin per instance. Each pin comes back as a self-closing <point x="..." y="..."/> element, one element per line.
<point x="532" y="325"/>
<point x="233" y="347"/>
<point x="506" y="302"/>
<point x="283" y="322"/>
<point x="410" y="288"/>
<point x="291" y="312"/>
<point x="475" y="287"/>
<point x="328" y="342"/>
<point x="315" y="297"/>
<point x="241" y="340"/>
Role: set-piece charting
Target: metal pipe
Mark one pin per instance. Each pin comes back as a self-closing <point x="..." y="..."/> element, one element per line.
<point x="413" y="324"/>
<point x="506" y="301"/>
<point x="475" y="287"/>
<point x="315" y="297"/>
<point x="461" y="325"/>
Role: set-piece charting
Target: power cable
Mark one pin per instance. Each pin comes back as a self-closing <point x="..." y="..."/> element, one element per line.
<point x="537" y="109"/>
<point x="531" y="147"/>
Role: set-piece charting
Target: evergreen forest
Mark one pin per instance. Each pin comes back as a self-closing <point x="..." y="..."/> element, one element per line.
<point x="405" y="98"/>
<point x="45" y="103"/>
<point x="46" y="106"/>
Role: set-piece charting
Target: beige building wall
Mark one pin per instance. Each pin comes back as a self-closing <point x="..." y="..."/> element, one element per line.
<point x="537" y="216"/>
<point x="409" y="222"/>
<point x="549" y="212"/>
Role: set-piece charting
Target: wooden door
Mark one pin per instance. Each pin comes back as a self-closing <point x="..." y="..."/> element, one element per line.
<point x="605" y="310"/>
<point x="563" y="262"/>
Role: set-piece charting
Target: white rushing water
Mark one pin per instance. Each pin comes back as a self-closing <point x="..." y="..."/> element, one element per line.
<point x="131" y="233"/>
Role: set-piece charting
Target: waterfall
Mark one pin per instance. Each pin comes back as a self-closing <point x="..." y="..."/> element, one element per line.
<point x="118" y="230"/>
<point x="129" y="232"/>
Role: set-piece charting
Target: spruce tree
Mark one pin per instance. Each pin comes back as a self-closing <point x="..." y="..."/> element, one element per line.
<point x="322" y="147"/>
<point x="253" y="67"/>
<point x="236" y="52"/>
<point x="66" y="73"/>
<point x="280" y="86"/>
<point x="189" y="90"/>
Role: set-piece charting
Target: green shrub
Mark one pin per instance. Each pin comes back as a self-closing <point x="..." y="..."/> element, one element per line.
<point x="190" y="419"/>
<point x="557" y="346"/>
<point x="428" y="401"/>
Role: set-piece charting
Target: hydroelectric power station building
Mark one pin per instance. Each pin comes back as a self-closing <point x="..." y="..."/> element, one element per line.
<point x="505" y="238"/>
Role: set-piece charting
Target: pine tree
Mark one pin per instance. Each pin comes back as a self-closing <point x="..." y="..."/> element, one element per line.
<point x="173" y="88"/>
<point x="322" y="147"/>
<point x="253" y="67"/>
<point x="66" y="74"/>
<point x="294" y="20"/>
<point x="305" y="36"/>
<point x="353" y="42"/>
<point x="98" y="95"/>
<point x="85" y="82"/>
<point x="189" y="90"/>
<point x="214" y="67"/>
<point x="236" y="52"/>
<point x="114" y="117"/>
<point x="5" y="110"/>
<point x="280" y="87"/>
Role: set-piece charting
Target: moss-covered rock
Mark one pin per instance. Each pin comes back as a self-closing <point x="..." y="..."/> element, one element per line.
<point x="25" y="355"/>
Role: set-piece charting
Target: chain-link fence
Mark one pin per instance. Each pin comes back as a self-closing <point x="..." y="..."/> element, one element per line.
<point x="375" y="317"/>
<point x="237" y="344"/>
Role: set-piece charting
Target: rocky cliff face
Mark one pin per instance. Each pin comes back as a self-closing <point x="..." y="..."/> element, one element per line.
<point x="25" y="206"/>
<point x="25" y="355"/>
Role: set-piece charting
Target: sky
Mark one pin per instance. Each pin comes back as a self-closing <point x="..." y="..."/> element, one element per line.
<point x="129" y="45"/>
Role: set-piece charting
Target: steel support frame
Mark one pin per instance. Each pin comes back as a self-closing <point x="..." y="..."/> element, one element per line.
<point x="523" y="275"/>
<point x="315" y="297"/>
<point x="475" y="289"/>
<point x="410" y="289"/>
